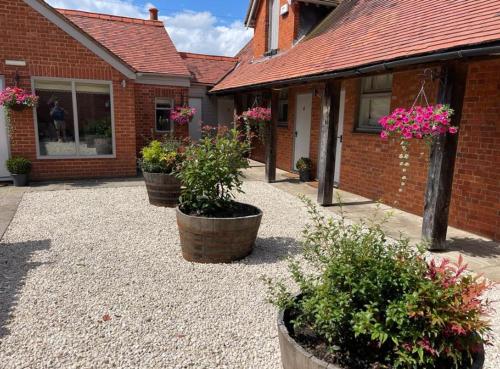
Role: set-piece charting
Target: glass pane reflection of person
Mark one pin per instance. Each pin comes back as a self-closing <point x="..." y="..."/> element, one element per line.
<point x="57" y="114"/>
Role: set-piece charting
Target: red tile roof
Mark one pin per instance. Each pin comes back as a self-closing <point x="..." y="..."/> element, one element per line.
<point x="208" y="69"/>
<point x="365" y="32"/>
<point x="143" y="44"/>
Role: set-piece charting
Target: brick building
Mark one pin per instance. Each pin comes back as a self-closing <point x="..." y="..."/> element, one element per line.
<point x="375" y="58"/>
<point x="113" y="79"/>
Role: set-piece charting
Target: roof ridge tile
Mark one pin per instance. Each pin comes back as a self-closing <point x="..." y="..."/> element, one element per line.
<point x="110" y="17"/>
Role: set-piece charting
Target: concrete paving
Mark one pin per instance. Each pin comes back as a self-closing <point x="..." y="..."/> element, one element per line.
<point x="481" y="254"/>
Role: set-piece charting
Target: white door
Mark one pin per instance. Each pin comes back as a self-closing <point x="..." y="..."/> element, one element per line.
<point x="340" y="135"/>
<point x="195" y="124"/>
<point x="302" y="127"/>
<point x="225" y="112"/>
<point x="4" y="142"/>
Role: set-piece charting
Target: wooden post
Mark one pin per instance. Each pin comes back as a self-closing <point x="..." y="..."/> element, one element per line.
<point x="442" y="160"/>
<point x="271" y="138"/>
<point x="328" y="140"/>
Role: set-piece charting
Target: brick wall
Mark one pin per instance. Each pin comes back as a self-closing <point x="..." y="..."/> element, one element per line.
<point x="475" y="201"/>
<point x="50" y="52"/>
<point x="288" y="27"/>
<point x="370" y="166"/>
<point x="145" y="100"/>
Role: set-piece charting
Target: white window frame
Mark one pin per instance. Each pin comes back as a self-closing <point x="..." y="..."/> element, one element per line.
<point x="368" y="96"/>
<point x="74" y="81"/>
<point x="164" y="100"/>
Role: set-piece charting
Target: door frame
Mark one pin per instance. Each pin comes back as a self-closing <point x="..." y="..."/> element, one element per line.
<point x="295" y="127"/>
<point x="2" y="112"/>
<point x="339" y="139"/>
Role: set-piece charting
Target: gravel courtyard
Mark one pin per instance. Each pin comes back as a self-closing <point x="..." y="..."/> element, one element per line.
<point x="94" y="278"/>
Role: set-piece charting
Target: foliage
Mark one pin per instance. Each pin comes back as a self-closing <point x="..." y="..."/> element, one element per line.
<point x="99" y="127"/>
<point x="212" y="173"/>
<point x="182" y="115"/>
<point x="161" y="157"/>
<point x="380" y="304"/>
<point x="15" y="97"/>
<point x="18" y="165"/>
<point x="304" y="164"/>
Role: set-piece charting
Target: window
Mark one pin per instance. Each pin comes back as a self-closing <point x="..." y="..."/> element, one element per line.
<point x="163" y="110"/>
<point x="274" y="19"/>
<point x="375" y="101"/>
<point x="74" y="119"/>
<point x="283" y="109"/>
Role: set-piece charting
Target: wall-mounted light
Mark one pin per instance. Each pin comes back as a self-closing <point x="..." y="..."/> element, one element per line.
<point x="124" y="83"/>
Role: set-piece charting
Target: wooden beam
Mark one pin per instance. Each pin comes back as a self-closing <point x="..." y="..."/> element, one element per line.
<point x="271" y="138"/>
<point x="442" y="159"/>
<point x="328" y="141"/>
<point x="238" y="108"/>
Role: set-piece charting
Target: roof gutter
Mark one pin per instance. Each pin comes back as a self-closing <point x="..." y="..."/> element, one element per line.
<point x="379" y="67"/>
<point x="250" y="13"/>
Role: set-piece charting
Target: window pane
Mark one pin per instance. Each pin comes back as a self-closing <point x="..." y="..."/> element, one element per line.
<point x="163" y="123"/>
<point x="379" y="83"/>
<point x="372" y="109"/>
<point x="94" y="119"/>
<point x="56" y="134"/>
<point x="283" y="113"/>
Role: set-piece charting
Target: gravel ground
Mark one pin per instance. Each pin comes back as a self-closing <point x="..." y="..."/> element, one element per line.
<point x="94" y="278"/>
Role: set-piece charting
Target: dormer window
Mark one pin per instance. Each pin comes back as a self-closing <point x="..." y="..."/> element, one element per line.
<point x="274" y="25"/>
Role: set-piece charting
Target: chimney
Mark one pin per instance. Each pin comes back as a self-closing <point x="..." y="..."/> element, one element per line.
<point x="153" y="14"/>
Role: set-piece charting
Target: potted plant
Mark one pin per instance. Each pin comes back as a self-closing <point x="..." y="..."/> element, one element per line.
<point x="367" y="302"/>
<point x="159" y="162"/>
<point x="90" y="131"/>
<point x="213" y="227"/>
<point x="19" y="168"/>
<point x="102" y="140"/>
<point x="15" y="98"/>
<point x="304" y="166"/>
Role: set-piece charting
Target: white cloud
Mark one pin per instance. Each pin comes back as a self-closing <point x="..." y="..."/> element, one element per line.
<point x="198" y="32"/>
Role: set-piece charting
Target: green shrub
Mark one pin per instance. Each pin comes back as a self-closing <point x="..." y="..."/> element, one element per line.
<point x="18" y="165"/>
<point x="160" y="157"/>
<point x="376" y="303"/>
<point x="212" y="173"/>
<point x="304" y="164"/>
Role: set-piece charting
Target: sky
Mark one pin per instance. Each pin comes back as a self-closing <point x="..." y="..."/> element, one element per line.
<point x="199" y="26"/>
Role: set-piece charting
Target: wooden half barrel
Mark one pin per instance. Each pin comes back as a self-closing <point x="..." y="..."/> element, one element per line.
<point x="163" y="189"/>
<point x="294" y="356"/>
<point x="217" y="240"/>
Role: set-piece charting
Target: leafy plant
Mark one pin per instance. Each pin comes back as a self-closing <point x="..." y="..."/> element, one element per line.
<point x="376" y="303"/>
<point x="160" y="157"/>
<point x="18" y="165"/>
<point x="212" y="173"/>
<point x="304" y="164"/>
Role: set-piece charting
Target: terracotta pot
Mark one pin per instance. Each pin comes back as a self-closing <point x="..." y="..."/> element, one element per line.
<point x="294" y="356"/>
<point x="218" y="240"/>
<point x="163" y="189"/>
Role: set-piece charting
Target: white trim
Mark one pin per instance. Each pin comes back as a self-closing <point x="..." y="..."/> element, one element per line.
<point x="75" y="120"/>
<point x="16" y="63"/>
<point x="162" y="80"/>
<point x="2" y="111"/>
<point x="172" y="107"/>
<point x="49" y="13"/>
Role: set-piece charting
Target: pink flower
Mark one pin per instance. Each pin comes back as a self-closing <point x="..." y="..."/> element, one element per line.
<point x="453" y="130"/>
<point x="384" y="135"/>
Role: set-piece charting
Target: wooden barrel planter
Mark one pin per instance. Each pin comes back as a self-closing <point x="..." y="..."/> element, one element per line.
<point x="163" y="189"/>
<point x="218" y="240"/>
<point x="294" y="356"/>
